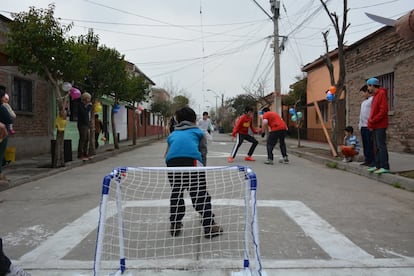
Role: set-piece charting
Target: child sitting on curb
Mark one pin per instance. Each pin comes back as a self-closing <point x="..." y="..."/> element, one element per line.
<point x="351" y="147"/>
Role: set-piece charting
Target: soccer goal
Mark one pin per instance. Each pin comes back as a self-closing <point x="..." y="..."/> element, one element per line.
<point x="135" y="230"/>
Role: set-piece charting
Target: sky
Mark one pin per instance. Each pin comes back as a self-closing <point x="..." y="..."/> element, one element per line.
<point x="204" y="49"/>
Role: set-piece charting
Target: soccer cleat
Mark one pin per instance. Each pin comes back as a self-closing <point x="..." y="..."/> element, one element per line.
<point x="381" y="171"/>
<point x="230" y="159"/>
<point x="175" y="228"/>
<point x="268" y="162"/>
<point x="372" y="169"/>
<point x="213" y="231"/>
<point x="249" y="158"/>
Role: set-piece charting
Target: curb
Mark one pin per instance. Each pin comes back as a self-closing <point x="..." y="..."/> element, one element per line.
<point x="392" y="179"/>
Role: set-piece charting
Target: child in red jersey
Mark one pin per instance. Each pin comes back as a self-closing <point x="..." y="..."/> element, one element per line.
<point x="241" y="133"/>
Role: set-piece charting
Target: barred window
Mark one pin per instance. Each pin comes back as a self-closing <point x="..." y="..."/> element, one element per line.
<point x="22" y="96"/>
<point x="387" y="81"/>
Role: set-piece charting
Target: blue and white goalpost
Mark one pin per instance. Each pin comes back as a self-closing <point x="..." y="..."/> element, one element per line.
<point x="134" y="230"/>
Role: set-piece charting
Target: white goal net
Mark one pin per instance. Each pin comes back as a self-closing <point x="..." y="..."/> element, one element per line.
<point x="164" y="219"/>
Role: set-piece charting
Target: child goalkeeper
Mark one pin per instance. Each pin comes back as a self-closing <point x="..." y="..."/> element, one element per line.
<point x="187" y="147"/>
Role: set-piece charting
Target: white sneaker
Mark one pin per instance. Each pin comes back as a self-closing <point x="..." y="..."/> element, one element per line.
<point x="17" y="271"/>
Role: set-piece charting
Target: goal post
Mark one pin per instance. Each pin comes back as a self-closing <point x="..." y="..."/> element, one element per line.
<point x="135" y="232"/>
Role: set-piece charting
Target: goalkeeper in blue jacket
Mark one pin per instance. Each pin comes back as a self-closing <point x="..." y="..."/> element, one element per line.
<point x="187" y="147"/>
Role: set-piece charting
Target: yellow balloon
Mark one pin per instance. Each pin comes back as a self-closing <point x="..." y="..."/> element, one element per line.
<point x="98" y="107"/>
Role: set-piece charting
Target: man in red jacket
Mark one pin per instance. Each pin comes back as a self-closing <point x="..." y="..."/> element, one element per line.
<point x="241" y="133"/>
<point x="378" y="123"/>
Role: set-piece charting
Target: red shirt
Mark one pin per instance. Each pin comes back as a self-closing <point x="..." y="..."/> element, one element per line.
<point x="243" y="124"/>
<point x="378" y="118"/>
<point x="274" y="121"/>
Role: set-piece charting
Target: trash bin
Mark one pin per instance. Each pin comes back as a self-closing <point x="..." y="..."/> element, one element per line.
<point x="67" y="150"/>
<point x="10" y="154"/>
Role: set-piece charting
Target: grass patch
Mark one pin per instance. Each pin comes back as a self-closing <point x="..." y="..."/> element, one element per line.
<point x="397" y="185"/>
<point x="332" y="165"/>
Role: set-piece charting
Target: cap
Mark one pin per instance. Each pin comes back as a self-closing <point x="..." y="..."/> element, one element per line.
<point x="373" y="81"/>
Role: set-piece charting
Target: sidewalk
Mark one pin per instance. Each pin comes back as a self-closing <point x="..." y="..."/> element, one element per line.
<point x="320" y="152"/>
<point x="26" y="170"/>
<point x="23" y="171"/>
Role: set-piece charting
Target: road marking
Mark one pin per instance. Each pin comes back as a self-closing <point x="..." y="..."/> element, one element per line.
<point x="344" y="253"/>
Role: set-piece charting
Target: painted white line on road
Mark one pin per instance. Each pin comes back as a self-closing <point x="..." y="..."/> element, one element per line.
<point x="331" y="241"/>
<point x="61" y="243"/>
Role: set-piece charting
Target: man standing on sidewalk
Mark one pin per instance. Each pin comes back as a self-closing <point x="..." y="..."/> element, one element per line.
<point x="378" y="123"/>
<point x="366" y="134"/>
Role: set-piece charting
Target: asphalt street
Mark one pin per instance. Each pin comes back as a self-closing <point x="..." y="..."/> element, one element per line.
<point x="312" y="219"/>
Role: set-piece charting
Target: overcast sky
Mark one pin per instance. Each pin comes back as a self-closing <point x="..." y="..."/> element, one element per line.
<point x="218" y="45"/>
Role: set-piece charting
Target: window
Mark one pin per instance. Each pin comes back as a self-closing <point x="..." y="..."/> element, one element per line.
<point x="22" y="96"/>
<point x="387" y="81"/>
<point x="323" y="107"/>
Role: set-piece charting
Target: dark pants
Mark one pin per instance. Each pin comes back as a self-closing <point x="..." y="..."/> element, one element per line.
<point x="239" y="140"/>
<point x="381" y="155"/>
<point x="3" y="146"/>
<point x="196" y="184"/>
<point x="368" y="145"/>
<point x="96" y="140"/>
<point x="274" y="136"/>
<point x="4" y="261"/>
<point x="83" y="141"/>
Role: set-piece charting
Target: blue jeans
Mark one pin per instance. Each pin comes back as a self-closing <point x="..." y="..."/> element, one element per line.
<point x="381" y="156"/>
<point x="367" y="144"/>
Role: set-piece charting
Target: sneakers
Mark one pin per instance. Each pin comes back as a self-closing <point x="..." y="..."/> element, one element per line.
<point x="12" y="131"/>
<point x="347" y="159"/>
<point x="212" y="231"/>
<point x="268" y="162"/>
<point x="230" y="159"/>
<point x="284" y="160"/>
<point x="381" y="171"/>
<point x="17" y="271"/>
<point x="249" y="158"/>
<point x="175" y="228"/>
<point x="372" y="169"/>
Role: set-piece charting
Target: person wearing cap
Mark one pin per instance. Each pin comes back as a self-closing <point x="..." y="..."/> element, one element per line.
<point x="378" y="123"/>
<point x="351" y="147"/>
<point x="366" y="134"/>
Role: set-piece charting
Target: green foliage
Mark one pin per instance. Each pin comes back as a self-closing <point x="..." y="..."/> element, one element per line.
<point x="179" y="102"/>
<point x="37" y="44"/>
<point x="297" y="92"/>
<point x="136" y="90"/>
<point x="107" y="73"/>
<point x="162" y="107"/>
<point x="240" y="102"/>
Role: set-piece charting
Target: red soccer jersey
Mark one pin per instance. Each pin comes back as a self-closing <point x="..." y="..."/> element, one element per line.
<point x="274" y="121"/>
<point x="243" y="124"/>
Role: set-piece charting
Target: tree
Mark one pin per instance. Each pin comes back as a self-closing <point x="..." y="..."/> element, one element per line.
<point x="36" y="43"/>
<point x="111" y="76"/>
<point x="339" y="84"/>
<point x="136" y="91"/>
<point x="240" y="102"/>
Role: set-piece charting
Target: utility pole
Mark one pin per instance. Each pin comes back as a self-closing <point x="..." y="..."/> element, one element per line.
<point x="275" y="8"/>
